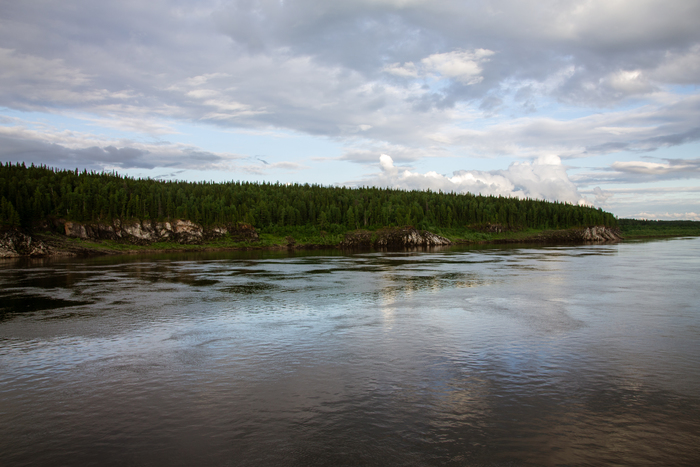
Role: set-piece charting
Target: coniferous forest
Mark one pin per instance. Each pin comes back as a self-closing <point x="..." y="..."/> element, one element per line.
<point x="29" y="195"/>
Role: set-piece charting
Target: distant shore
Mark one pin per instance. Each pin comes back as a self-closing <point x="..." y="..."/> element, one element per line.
<point x="52" y="244"/>
<point x="82" y="240"/>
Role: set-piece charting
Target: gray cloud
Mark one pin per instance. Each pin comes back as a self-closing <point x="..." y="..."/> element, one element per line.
<point x="601" y="196"/>
<point x="323" y="67"/>
<point x="612" y="46"/>
<point x="671" y="169"/>
<point x="55" y="155"/>
<point x="410" y="78"/>
<point x="101" y="157"/>
<point x="642" y="172"/>
<point x="675" y="139"/>
<point x="655" y="202"/>
<point x="692" y="216"/>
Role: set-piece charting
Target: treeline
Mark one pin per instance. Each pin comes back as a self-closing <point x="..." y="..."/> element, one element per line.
<point x="652" y="228"/>
<point x="30" y="195"/>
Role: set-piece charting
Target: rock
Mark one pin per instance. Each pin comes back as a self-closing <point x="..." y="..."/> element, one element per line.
<point x="406" y="237"/>
<point x="145" y="232"/>
<point x="357" y="239"/>
<point x="599" y="234"/>
<point x="14" y="244"/>
<point x="73" y="229"/>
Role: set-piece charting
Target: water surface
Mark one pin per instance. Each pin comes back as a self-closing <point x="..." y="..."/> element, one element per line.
<point x="584" y="355"/>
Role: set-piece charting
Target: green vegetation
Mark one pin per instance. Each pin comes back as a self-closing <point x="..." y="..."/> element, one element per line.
<point x="266" y="241"/>
<point x="648" y="228"/>
<point x="309" y="213"/>
<point x="222" y="243"/>
<point x="467" y="234"/>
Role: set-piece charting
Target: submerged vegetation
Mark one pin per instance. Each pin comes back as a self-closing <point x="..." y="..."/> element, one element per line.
<point x="31" y="195"/>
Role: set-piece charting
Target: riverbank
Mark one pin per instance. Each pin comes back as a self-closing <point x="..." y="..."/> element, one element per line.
<point x="18" y="244"/>
<point x="637" y="228"/>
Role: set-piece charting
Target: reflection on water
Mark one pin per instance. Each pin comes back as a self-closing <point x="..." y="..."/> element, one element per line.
<point x="488" y="356"/>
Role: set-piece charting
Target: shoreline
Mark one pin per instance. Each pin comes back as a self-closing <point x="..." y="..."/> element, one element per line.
<point x="16" y="244"/>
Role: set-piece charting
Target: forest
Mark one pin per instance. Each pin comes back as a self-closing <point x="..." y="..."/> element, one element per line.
<point x="656" y="228"/>
<point x="31" y="194"/>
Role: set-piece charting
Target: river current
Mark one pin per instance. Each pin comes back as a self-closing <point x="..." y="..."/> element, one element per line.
<point x="567" y="355"/>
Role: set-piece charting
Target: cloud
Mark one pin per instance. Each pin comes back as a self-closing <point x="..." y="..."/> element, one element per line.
<point x="601" y="197"/>
<point x="544" y="178"/>
<point x="410" y="78"/>
<point x="691" y="216"/>
<point x="62" y="149"/>
<point x="367" y="154"/>
<point x="30" y="82"/>
<point x="407" y="70"/>
<point x="669" y="122"/>
<point x="462" y="66"/>
<point x="393" y="72"/>
<point x="636" y="200"/>
<point x="677" y="168"/>
<point x="641" y="172"/>
<point x="679" y="68"/>
<point x="106" y="157"/>
<point x="612" y="47"/>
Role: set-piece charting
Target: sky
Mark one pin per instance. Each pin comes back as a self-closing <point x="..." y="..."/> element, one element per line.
<point x="584" y="101"/>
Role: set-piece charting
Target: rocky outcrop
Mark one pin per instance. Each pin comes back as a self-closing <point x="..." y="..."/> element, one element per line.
<point x="14" y="244"/>
<point x="595" y="234"/>
<point x="145" y="232"/>
<point x="600" y="234"/>
<point x="406" y="237"/>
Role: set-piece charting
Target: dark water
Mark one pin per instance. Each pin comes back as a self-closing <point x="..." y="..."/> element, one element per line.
<point x="583" y="355"/>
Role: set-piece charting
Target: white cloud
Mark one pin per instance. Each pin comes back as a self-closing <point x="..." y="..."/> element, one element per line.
<point x="202" y="79"/>
<point x="629" y="82"/>
<point x="459" y="65"/>
<point x="691" y="216"/>
<point x="544" y="178"/>
<point x="601" y="197"/>
<point x="407" y="70"/>
<point x="463" y="66"/>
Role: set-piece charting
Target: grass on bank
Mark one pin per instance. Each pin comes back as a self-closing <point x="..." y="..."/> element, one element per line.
<point x="636" y="228"/>
<point x="299" y="236"/>
<point x="468" y="235"/>
<point x="309" y="235"/>
<point x="219" y="244"/>
<point x="283" y="237"/>
<point x="274" y="239"/>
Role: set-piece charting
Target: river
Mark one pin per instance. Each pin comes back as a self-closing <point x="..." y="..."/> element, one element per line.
<point x="566" y="355"/>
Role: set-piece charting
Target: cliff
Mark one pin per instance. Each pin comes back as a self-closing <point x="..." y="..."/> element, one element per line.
<point x="595" y="234"/>
<point x="14" y="244"/>
<point x="600" y="234"/>
<point x="146" y="232"/>
<point x="406" y="237"/>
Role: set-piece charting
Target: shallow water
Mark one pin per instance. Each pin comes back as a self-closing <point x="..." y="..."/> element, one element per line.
<point x="583" y="355"/>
